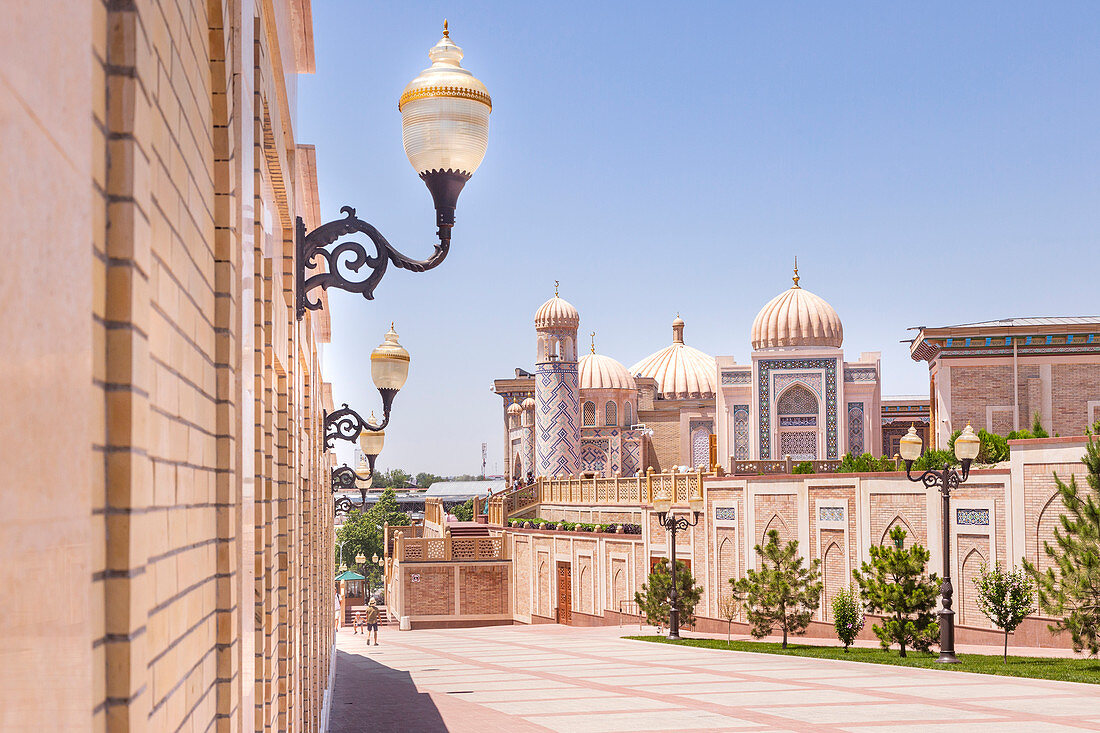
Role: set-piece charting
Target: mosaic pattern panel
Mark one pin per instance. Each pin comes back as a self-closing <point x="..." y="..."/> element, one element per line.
<point x="594" y="456"/>
<point x="741" y="432"/>
<point x="613" y="441"/>
<point x="797" y="422"/>
<point x="764" y="389"/>
<point x="527" y="449"/>
<point x="800" y="446"/>
<point x="855" y="428"/>
<point x="797" y="400"/>
<point x="700" y="448"/>
<point x="727" y="513"/>
<point x="830" y="513"/>
<point x="557" y="415"/>
<point x="973" y="517"/>
<point x="632" y="453"/>
<point x="860" y="374"/>
<point x="729" y="378"/>
<point x="811" y="380"/>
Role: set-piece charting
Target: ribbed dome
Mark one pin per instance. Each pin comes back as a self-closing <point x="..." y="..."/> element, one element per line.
<point x="602" y="372"/>
<point x="514" y="409"/>
<point x="557" y="313"/>
<point x="529" y="404"/>
<point x="797" y="317"/>
<point x="681" y="371"/>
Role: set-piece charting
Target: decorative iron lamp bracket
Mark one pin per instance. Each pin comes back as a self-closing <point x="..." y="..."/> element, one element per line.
<point x="344" y="478"/>
<point x="347" y="424"/>
<point x="352" y="255"/>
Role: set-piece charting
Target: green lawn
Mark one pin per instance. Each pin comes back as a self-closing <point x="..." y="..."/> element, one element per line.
<point x="1067" y="670"/>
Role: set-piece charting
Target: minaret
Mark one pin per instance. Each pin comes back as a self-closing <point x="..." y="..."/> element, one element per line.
<point x="557" y="389"/>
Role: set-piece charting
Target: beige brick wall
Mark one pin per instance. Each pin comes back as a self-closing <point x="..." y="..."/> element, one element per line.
<point x="663" y="447"/>
<point x="1073" y="386"/>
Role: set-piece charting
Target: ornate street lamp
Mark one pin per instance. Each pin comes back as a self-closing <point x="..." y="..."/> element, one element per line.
<point x="346" y="478"/>
<point x="662" y="504"/>
<point x="389" y="366"/>
<point x="445" y="130"/>
<point x="967" y="446"/>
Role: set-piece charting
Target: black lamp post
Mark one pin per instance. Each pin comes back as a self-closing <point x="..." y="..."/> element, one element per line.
<point x="346" y="478"/>
<point x="445" y="130"/>
<point x="662" y="504"/>
<point x="946" y="480"/>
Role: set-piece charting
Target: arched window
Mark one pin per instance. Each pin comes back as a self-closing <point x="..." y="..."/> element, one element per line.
<point x="610" y="414"/>
<point x="797" y="401"/>
<point x="588" y="411"/>
<point x="628" y="415"/>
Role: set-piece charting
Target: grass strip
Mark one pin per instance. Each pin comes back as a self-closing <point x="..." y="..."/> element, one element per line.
<point x="1042" y="668"/>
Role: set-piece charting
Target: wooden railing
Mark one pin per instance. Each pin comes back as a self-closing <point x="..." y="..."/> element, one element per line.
<point x="447" y="549"/>
<point x="634" y="491"/>
<point x="435" y="518"/>
<point x="390" y="533"/>
<point x="779" y="467"/>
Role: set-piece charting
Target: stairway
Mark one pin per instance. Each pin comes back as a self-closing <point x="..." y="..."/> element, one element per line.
<point x="349" y="615"/>
<point x="467" y="529"/>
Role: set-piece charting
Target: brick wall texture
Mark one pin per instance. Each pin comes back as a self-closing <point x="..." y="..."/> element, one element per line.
<point x="212" y="593"/>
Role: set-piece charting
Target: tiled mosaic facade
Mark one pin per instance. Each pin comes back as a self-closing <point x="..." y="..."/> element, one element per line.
<point x="765" y="367"/>
<point x="830" y="513"/>
<point x="557" y="419"/>
<point x="860" y="374"/>
<point x="725" y="513"/>
<point x="801" y="446"/>
<point x="978" y="517"/>
<point x="736" y="377"/>
<point x="855" y="428"/>
<point x="741" y="435"/>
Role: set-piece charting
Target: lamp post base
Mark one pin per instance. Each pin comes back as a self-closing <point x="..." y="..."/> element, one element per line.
<point x="947" y="658"/>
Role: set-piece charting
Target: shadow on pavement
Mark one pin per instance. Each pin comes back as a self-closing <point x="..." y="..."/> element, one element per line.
<point x="369" y="696"/>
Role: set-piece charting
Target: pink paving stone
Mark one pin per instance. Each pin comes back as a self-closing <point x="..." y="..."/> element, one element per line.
<point x="520" y="678"/>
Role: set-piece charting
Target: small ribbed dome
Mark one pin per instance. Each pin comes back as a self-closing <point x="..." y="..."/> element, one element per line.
<point x="557" y="313"/>
<point x="797" y="317"/>
<point x="514" y="409"/>
<point x="602" y="372"/>
<point x="681" y="371"/>
<point x="529" y="403"/>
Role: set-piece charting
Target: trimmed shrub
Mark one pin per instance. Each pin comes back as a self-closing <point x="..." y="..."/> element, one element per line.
<point x="847" y="615"/>
<point x="803" y="467"/>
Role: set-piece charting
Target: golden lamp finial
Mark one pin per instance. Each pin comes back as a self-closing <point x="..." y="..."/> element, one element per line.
<point x="446" y="32"/>
<point x="795" y="278"/>
<point x="593" y="342"/>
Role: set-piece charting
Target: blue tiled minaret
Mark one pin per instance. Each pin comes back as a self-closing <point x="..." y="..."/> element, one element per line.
<point x="557" y="390"/>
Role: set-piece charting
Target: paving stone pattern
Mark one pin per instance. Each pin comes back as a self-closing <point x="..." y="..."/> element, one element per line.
<point x="557" y="678"/>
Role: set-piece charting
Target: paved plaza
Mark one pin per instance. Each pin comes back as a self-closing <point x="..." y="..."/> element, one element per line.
<point x="556" y="678"/>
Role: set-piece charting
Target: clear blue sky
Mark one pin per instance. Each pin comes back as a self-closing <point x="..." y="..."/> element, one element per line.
<point x="931" y="163"/>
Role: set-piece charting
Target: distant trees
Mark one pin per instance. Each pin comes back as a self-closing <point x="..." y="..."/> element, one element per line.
<point x="361" y="531"/>
<point x="894" y="584"/>
<point x="783" y="593"/>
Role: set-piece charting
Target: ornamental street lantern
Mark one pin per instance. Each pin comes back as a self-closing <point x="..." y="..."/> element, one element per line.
<point x="946" y="480"/>
<point x="389" y="364"/>
<point x="445" y="127"/>
<point x="445" y="130"/>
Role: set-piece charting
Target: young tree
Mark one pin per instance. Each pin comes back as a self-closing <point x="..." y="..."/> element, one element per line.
<point x="847" y="615"/>
<point x="1005" y="598"/>
<point x="728" y="608"/>
<point x="653" y="599"/>
<point x="1071" y="589"/>
<point x="1037" y="427"/>
<point x="783" y="593"/>
<point x="895" y="584"/>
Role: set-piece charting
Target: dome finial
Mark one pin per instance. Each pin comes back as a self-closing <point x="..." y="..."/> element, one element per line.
<point x="593" y="342"/>
<point x="446" y="32"/>
<point x="678" y="329"/>
<point x="555" y="288"/>
<point x="795" y="278"/>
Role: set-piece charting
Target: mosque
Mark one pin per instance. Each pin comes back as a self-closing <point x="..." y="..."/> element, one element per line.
<point x="679" y="407"/>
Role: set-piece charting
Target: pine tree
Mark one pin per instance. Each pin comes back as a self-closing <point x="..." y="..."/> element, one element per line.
<point x="653" y="599"/>
<point x="1006" y="598"/>
<point x="894" y="584"/>
<point x="783" y="593"/>
<point x="1070" y="590"/>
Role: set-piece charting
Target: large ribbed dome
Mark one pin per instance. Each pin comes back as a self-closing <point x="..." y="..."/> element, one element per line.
<point x="796" y="317"/>
<point x="602" y="372"/>
<point x="681" y="371"/>
<point x="557" y="313"/>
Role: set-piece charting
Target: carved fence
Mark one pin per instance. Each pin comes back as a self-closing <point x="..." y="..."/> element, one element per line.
<point x="446" y="549"/>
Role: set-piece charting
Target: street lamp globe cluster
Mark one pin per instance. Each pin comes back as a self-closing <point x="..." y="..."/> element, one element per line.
<point x="662" y="505"/>
<point x="967" y="447"/>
